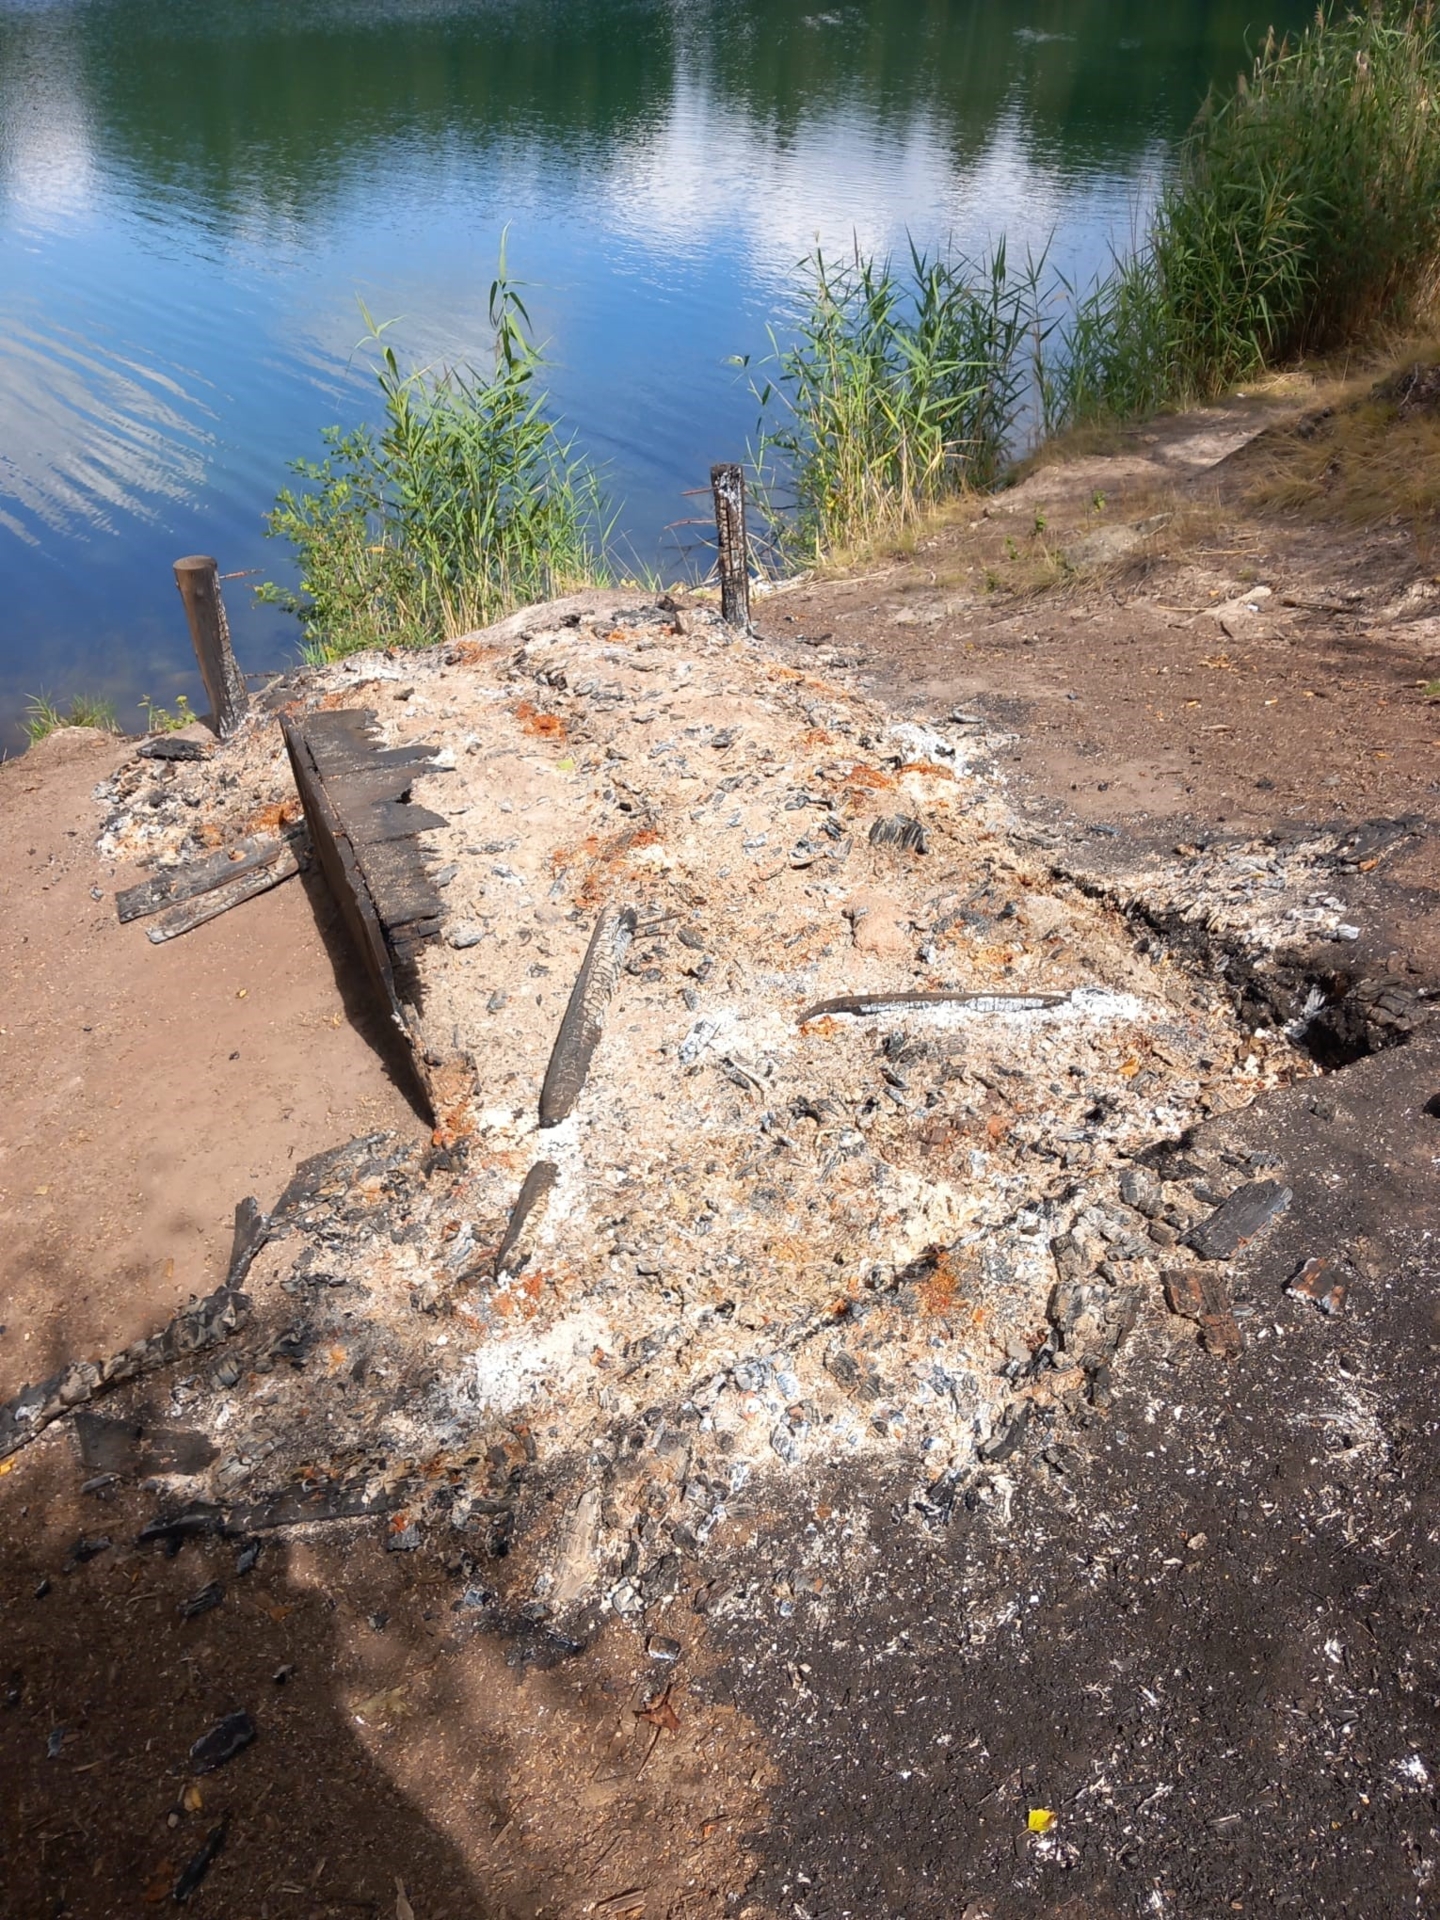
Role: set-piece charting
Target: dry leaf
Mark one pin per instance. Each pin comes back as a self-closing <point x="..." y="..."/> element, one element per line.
<point x="403" y="1908"/>
<point x="389" y="1704"/>
<point x="660" y="1713"/>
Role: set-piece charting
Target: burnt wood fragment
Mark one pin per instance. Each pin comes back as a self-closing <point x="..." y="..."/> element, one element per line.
<point x="205" y="1323"/>
<point x="234" y="893"/>
<point x="584" y="1019"/>
<point x="174" y="884"/>
<point x="893" y="1002"/>
<point x="1238" y="1219"/>
<point x="534" y="1191"/>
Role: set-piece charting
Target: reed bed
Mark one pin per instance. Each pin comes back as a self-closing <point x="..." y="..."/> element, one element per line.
<point x="1303" y="219"/>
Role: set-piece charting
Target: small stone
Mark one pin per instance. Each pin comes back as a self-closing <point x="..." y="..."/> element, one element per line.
<point x="1163" y="1234"/>
<point x="466" y="934"/>
<point x="405" y="1540"/>
<point x="660" y="1647"/>
<point x="496" y="1001"/>
<point x="875" y="924"/>
<point x="447" y="874"/>
<point x="224" y="1740"/>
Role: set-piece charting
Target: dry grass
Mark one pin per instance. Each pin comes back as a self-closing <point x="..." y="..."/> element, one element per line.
<point x="1362" y="457"/>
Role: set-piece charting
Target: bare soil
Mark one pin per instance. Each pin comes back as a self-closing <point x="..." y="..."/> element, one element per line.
<point x="1188" y="1613"/>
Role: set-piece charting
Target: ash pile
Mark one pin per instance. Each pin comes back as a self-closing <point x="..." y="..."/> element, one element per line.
<point x="788" y="1112"/>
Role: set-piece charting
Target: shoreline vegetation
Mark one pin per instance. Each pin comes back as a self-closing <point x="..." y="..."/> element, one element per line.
<point x="1301" y="226"/>
<point x="1302" y="222"/>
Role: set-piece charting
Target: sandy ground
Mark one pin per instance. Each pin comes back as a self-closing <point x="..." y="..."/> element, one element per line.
<point x="146" y="1089"/>
<point x="1171" y="1656"/>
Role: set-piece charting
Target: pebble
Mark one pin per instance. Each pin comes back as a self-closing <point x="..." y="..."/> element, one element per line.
<point x="466" y="934"/>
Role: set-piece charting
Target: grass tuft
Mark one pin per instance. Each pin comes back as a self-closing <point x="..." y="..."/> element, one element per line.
<point x="44" y="716"/>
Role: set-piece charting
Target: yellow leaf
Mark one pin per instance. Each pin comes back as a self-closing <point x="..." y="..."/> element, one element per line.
<point x="1041" y="1820"/>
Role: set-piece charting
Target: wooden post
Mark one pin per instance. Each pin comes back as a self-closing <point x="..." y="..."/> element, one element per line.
<point x="198" y="578"/>
<point x="728" y="485"/>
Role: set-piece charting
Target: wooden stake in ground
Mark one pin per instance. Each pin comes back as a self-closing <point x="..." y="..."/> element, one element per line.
<point x="198" y="578"/>
<point x="728" y="485"/>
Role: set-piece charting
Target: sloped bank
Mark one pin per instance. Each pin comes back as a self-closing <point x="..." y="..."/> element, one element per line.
<point x="862" y="1159"/>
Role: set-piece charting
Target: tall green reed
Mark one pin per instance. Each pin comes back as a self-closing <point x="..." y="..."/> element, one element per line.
<point x="1304" y="217"/>
<point x="464" y="503"/>
<point x="898" y="387"/>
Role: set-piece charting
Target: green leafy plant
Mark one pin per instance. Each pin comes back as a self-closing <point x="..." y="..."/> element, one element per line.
<point x="44" y="716"/>
<point x="464" y="503"/>
<point x="161" y="720"/>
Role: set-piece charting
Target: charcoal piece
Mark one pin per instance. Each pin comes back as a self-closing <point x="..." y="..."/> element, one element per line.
<point x="1204" y="1297"/>
<point x="535" y="1189"/>
<point x="584" y="1019"/>
<point x="1316" y="1282"/>
<point x="166" y="746"/>
<point x="248" y="1556"/>
<point x="1139" y="1188"/>
<point x="902" y="832"/>
<point x="173" y="1529"/>
<point x="252" y="1230"/>
<point x="224" y="1740"/>
<point x="1237" y="1220"/>
<point x="207" y="1598"/>
<point x="1007" y="1436"/>
<point x="84" y="1550"/>
<point x="197" y="1868"/>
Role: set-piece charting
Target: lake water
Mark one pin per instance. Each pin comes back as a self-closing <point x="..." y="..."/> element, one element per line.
<point x="193" y="196"/>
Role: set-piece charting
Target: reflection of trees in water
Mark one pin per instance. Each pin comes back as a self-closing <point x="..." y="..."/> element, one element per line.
<point x="278" y="105"/>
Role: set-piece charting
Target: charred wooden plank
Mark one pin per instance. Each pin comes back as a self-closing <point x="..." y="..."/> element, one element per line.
<point x="209" y="906"/>
<point x="365" y="828"/>
<point x="343" y="874"/>
<point x="175" y="884"/>
<point x="584" y="1019"/>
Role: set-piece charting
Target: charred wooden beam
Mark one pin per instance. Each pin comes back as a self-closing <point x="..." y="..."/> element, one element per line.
<point x="364" y="829"/>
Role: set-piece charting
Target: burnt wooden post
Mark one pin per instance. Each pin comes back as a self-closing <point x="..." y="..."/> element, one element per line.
<point x="728" y="485"/>
<point x="198" y="578"/>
